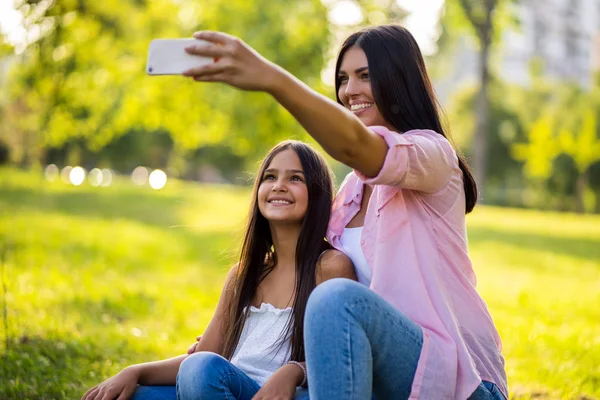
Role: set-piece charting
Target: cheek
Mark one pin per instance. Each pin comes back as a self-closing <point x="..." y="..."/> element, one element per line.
<point x="263" y="191"/>
<point x="302" y="197"/>
<point x="377" y="111"/>
<point x="367" y="90"/>
<point x="342" y="95"/>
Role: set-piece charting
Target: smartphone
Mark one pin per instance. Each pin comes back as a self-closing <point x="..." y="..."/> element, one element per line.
<point x="168" y="56"/>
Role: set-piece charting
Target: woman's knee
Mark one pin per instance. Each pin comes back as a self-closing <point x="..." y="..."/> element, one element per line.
<point x="332" y="296"/>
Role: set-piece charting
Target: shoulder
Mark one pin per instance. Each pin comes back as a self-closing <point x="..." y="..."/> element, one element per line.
<point x="231" y="278"/>
<point x="347" y="187"/>
<point x="334" y="264"/>
<point x="424" y="136"/>
<point x="233" y="271"/>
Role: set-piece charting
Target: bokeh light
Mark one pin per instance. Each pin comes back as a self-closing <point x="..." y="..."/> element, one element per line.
<point x="107" y="177"/>
<point x="139" y="176"/>
<point x="65" y="174"/>
<point x="51" y="172"/>
<point x="77" y="176"/>
<point x="95" y="177"/>
<point x="158" y="179"/>
<point x="345" y="12"/>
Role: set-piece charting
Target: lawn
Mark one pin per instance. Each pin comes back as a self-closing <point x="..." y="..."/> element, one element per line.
<point x="94" y="279"/>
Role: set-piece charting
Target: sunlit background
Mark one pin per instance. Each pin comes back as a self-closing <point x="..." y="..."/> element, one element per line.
<point x="123" y="196"/>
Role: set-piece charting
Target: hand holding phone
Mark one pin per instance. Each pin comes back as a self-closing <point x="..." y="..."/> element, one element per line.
<point x="168" y="56"/>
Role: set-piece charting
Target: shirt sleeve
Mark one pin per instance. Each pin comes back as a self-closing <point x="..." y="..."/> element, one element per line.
<point x="420" y="160"/>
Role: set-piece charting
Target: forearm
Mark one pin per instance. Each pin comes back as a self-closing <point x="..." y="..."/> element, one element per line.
<point x="337" y="130"/>
<point x="295" y="372"/>
<point x="162" y="372"/>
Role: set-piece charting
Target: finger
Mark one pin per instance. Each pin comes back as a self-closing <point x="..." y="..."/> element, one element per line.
<point x="108" y="395"/>
<point x="215" y="37"/>
<point x="192" y="348"/>
<point x="207" y="50"/>
<point x="211" y="78"/>
<point x="127" y="392"/>
<point x="93" y="393"/>
<point x="205" y="70"/>
<point x="90" y="394"/>
<point x="198" y="338"/>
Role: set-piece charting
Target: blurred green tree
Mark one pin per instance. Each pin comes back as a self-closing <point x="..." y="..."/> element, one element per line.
<point x="484" y="20"/>
<point x="504" y="177"/>
<point x="82" y="73"/>
<point x="566" y="126"/>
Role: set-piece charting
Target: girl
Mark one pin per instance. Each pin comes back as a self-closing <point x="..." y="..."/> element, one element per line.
<point x="422" y="330"/>
<point x="254" y="342"/>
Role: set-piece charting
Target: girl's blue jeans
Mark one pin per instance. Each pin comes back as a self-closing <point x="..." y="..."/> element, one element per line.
<point x="207" y="376"/>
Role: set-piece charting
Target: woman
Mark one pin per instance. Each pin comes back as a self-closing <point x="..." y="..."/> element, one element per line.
<point x="421" y="331"/>
<point x="254" y="343"/>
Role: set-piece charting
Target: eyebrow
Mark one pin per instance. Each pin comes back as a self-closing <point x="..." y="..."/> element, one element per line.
<point x="295" y="171"/>
<point x="356" y="71"/>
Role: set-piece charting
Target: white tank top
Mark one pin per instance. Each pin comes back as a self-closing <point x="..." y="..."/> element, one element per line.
<point x="350" y="241"/>
<point x="260" y="351"/>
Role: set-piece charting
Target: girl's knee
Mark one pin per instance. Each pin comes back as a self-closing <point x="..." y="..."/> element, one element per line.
<point x="203" y="366"/>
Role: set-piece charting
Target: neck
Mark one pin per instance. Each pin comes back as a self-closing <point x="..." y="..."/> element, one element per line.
<point x="285" y="239"/>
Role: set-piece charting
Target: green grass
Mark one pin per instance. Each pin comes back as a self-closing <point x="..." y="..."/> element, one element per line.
<point x="94" y="279"/>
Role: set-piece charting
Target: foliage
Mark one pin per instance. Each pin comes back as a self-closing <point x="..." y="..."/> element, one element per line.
<point x="566" y="125"/>
<point x="84" y="76"/>
<point x="503" y="171"/>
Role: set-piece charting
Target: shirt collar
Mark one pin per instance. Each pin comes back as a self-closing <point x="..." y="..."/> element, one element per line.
<point x="356" y="195"/>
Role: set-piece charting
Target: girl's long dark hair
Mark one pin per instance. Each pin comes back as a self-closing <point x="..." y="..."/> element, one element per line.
<point x="401" y="87"/>
<point x="257" y="256"/>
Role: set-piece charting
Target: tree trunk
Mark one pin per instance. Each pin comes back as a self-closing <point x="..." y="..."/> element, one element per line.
<point x="483" y="116"/>
<point x="580" y="186"/>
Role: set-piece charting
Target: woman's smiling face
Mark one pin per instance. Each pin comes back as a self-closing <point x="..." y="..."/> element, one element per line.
<point x="355" y="87"/>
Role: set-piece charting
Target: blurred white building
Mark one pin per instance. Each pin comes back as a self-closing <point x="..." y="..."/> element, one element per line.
<point x="563" y="34"/>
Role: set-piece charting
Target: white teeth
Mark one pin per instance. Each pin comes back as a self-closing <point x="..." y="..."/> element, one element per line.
<point x="355" y="107"/>
<point x="280" y="202"/>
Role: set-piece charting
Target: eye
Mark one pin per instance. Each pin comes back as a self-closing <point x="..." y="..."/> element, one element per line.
<point x="297" y="178"/>
<point x="342" y="78"/>
<point x="364" y="76"/>
<point x="268" y="177"/>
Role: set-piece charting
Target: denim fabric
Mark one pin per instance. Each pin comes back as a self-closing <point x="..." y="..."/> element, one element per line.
<point x="207" y="376"/>
<point x="358" y="346"/>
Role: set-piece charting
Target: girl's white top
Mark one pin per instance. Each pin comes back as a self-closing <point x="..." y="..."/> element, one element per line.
<point x="351" y="245"/>
<point x="261" y="350"/>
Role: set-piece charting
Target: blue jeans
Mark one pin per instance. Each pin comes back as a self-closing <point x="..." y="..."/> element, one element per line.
<point x="207" y="376"/>
<point x="358" y="345"/>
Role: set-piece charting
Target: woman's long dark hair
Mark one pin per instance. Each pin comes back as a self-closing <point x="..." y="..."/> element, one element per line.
<point x="401" y="87"/>
<point x="258" y="258"/>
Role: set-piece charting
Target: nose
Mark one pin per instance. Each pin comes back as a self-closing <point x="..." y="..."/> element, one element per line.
<point x="279" y="186"/>
<point x="352" y="88"/>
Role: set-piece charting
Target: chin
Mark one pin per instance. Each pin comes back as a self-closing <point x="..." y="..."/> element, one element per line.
<point x="367" y="121"/>
<point x="287" y="220"/>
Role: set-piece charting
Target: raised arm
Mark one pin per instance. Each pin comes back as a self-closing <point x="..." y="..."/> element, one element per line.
<point x="336" y="129"/>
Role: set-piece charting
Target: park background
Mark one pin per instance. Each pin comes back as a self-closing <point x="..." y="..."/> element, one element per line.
<point x="123" y="197"/>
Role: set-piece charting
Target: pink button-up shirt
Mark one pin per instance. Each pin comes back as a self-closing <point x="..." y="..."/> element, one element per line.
<point x="415" y="242"/>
